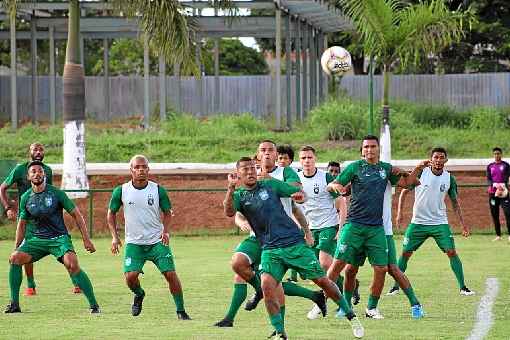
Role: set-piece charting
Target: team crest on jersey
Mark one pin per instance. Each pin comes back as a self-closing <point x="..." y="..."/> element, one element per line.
<point x="316" y="188"/>
<point x="128" y="261"/>
<point x="442" y="187"/>
<point x="342" y="248"/>
<point x="263" y="195"/>
<point x="150" y="200"/>
<point x="48" y="201"/>
<point x="382" y="173"/>
<point x="405" y="241"/>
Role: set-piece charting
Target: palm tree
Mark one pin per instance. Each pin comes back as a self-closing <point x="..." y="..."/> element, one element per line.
<point x="395" y="31"/>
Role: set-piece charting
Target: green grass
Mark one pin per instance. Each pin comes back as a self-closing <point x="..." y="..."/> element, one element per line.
<point x="219" y="139"/>
<point x="203" y="266"/>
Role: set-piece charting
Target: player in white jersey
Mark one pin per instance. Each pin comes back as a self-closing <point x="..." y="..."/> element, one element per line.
<point x="147" y="237"/>
<point x="430" y="217"/>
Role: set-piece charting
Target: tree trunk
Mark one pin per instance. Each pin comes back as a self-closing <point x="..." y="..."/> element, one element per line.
<point x="74" y="175"/>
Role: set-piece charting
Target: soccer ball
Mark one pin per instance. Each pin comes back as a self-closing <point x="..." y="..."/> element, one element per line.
<point x="336" y="60"/>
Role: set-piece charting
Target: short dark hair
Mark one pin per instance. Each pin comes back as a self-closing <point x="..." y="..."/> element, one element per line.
<point x="286" y="150"/>
<point x="333" y="163"/>
<point x="497" y="149"/>
<point x="243" y="159"/>
<point x="370" y="137"/>
<point x="267" y="141"/>
<point x="308" y="148"/>
<point x="439" y="149"/>
<point x="32" y="163"/>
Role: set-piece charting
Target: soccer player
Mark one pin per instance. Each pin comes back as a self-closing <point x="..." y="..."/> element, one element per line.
<point x="363" y="234"/>
<point x="42" y="205"/>
<point x="246" y="258"/>
<point x="498" y="173"/>
<point x="146" y="237"/>
<point x="282" y="240"/>
<point x="18" y="176"/>
<point x="430" y="217"/>
<point x="333" y="168"/>
<point x="285" y="155"/>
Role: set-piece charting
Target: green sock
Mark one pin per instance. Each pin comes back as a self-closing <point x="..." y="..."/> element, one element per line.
<point x="86" y="286"/>
<point x="344" y="304"/>
<point x="255" y="282"/>
<point x="402" y="265"/>
<point x="238" y="297"/>
<point x="277" y="322"/>
<point x="30" y="282"/>
<point x="372" y="301"/>
<point x="292" y="289"/>
<point x="413" y="300"/>
<point x="457" y="270"/>
<point x="348" y="297"/>
<point x="15" y="278"/>
<point x="293" y="274"/>
<point x="73" y="280"/>
<point x="340" y="283"/>
<point x="282" y="313"/>
<point x="138" y="290"/>
<point x="179" y="302"/>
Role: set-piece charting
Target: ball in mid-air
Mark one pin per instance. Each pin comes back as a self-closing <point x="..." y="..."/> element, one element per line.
<point x="336" y="60"/>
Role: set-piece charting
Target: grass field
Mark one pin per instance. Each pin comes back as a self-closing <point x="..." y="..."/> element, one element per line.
<point x="203" y="265"/>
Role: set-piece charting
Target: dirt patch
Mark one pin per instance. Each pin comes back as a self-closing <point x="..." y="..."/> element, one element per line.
<point x="203" y="209"/>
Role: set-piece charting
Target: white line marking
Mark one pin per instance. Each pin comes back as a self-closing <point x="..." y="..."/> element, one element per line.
<point x="484" y="316"/>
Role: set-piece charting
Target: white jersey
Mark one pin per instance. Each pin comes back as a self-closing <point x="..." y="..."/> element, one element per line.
<point x="387" y="223"/>
<point x="277" y="173"/>
<point x="141" y="214"/>
<point x="429" y="198"/>
<point x="319" y="207"/>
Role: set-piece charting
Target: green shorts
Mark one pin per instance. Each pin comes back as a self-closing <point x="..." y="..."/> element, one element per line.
<point x="357" y="242"/>
<point x="135" y="256"/>
<point x="250" y="247"/>
<point x="416" y="234"/>
<point x="40" y="247"/>
<point x="392" y="251"/>
<point x="299" y="257"/>
<point x="324" y="239"/>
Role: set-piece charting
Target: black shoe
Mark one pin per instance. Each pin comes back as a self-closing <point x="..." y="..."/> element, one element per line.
<point x="355" y="294"/>
<point x="252" y="303"/>
<point x="182" y="315"/>
<point x="320" y="301"/>
<point x="12" y="307"/>
<point x="224" y="323"/>
<point x="136" y="307"/>
<point x="274" y="336"/>
<point x="95" y="309"/>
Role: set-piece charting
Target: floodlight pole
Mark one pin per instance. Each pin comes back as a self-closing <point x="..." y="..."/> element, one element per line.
<point x="371" y="96"/>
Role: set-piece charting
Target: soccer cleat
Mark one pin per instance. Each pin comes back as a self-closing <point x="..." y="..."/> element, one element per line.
<point x="12" y="307"/>
<point x="393" y="291"/>
<point x="224" y="323"/>
<point x="355" y="294"/>
<point x="357" y="329"/>
<point x="182" y="315"/>
<point x="95" y="309"/>
<point x="314" y="313"/>
<point x="373" y="314"/>
<point x="252" y="303"/>
<point x="466" y="292"/>
<point x="277" y="336"/>
<point x="30" y="292"/>
<point x="136" y="307"/>
<point x="417" y="312"/>
<point x="76" y="290"/>
<point x="320" y="302"/>
<point x="498" y="238"/>
<point x="340" y="313"/>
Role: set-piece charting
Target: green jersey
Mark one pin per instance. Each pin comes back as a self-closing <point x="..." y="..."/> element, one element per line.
<point x="368" y="185"/>
<point x="45" y="211"/>
<point x="264" y="211"/>
<point x="19" y="174"/>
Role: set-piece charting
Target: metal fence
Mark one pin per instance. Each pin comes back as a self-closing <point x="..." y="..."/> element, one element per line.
<point x="253" y="94"/>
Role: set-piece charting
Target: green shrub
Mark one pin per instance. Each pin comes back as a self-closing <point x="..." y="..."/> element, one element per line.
<point x="487" y="118"/>
<point x="436" y="116"/>
<point x="339" y="119"/>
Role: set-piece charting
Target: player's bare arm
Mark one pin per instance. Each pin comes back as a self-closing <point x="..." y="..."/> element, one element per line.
<point x="112" y="225"/>
<point x="336" y="187"/>
<point x="458" y="210"/>
<point x="80" y="222"/>
<point x="228" y="202"/>
<point x="165" y="236"/>
<point x="412" y="178"/>
<point x="241" y="221"/>
<point x="300" y="217"/>
<point x="401" y="201"/>
<point x="8" y="208"/>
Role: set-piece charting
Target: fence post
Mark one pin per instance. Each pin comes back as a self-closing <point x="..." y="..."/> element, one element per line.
<point x="91" y="212"/>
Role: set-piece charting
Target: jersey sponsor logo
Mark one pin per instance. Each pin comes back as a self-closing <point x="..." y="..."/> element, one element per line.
<point x="316" y="188"/>
<point x="131" y="203"/>
<point x="263" y="195"/>
<point x="128" y="261"/>
<point x="48" y="201"/>
<point x="150" y="200"/>
<point x="406" y="241"/>
<point x="342" y="247"/>
<point x="442" y="187"/>
<point x="382" y="173"/>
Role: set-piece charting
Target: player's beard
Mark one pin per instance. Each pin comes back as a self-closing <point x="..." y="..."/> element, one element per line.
<point x="37" y="182"/>
<point x="37" y="158"/>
